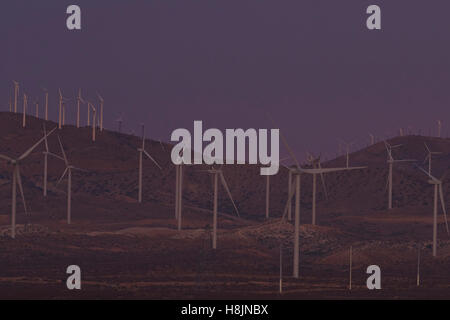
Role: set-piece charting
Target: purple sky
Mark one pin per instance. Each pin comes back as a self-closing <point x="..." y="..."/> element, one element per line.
<point x="312" y="64"/>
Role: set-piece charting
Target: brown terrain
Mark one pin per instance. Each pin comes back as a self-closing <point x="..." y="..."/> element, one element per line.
<point x="129" y="250"/>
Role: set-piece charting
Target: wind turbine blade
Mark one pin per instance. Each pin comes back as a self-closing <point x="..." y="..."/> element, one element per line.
<point x="63" y="152"/>
<point x="324" y="186"/>
<point x="291" y="153"/>
<point x="327" y="170"/>
<point x="225" y="185"/>
<point x="45" y="136"/>
<point x="426" y="146"/>
<point x="143" y="136"/>
<point x="309" y="157"/>
<point x="5" y="158"/>
<point x="322" y="177"/>
<point x="441" y="195"/>
<point x="26" y="153"/>
<point x="389" y="150"/>
<point x="99" y="97"/>
<point x="154" y="161"/>
<point x="55" y="156"/>
<point x="426" y="172"/>
<point x="19" y="182"/>
<point x="406" y="160"/>
<point x="289" y="200"/>
<point x="62" y="177"/>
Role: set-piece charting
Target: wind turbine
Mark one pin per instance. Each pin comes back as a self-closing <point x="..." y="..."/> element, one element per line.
<point x="295" y="174"/>
<point x="391" y="161"/>
<point x="428" y="157"/>
<point x="162" y="145"/>
<point x="16" y="93"/>
<point x="315" y="163"/>
<point x="179" y="191"/>
<point x="46" y="103"/>
<point x="314" y="172"/>
<point x="94" y="114"/>
<point x="297" y="171"/>
<point x="438" y="193"/>
<point x="290" y="174"/>
<point x="268" y="193"/>
<point x="216" y="174"/>
<point x="347" y="150"/>
<point x="101" y="111"/>
<point x="24" y="114"/>
<point x="16" y="180"/>
<point x="67" y="171"/>
<point x="141" y="153"/>
<point x="88" y="114"/>
<point x="62" y="110"/>
<point x="179" y="194"/>
<point x="79" y="100"/>
<point x="46" y="154"/>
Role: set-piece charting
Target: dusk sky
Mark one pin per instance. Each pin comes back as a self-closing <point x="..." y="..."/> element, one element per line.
<point x="312" y="64"/>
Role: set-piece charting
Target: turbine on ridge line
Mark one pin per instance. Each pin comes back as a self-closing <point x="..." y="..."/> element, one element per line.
<point x="16" y="93"/>
<point x="68" y="171"/>
<point x="46" y="154"/>
<point x="391" y="161"/>
<point x="62" y="110"/>
<point x="428" y="157"/>
<point x="46" y="103"/>
<point x="216" y="174"/>
<point x="79" y="101"/>
<point x="25" y="106"/>
<point x="101" y="111"/>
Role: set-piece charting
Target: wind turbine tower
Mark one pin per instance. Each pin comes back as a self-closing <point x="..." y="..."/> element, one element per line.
<point x="79" y="101"/>
<point x="391" y="161"/>
<point x="217" y="173"/>
<point x="142" y="151"/>
<point x="25" y="105"/>
<point x="17" y="181"/>
<point x="16" y="93"/>
<point x="438" y="193"/>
